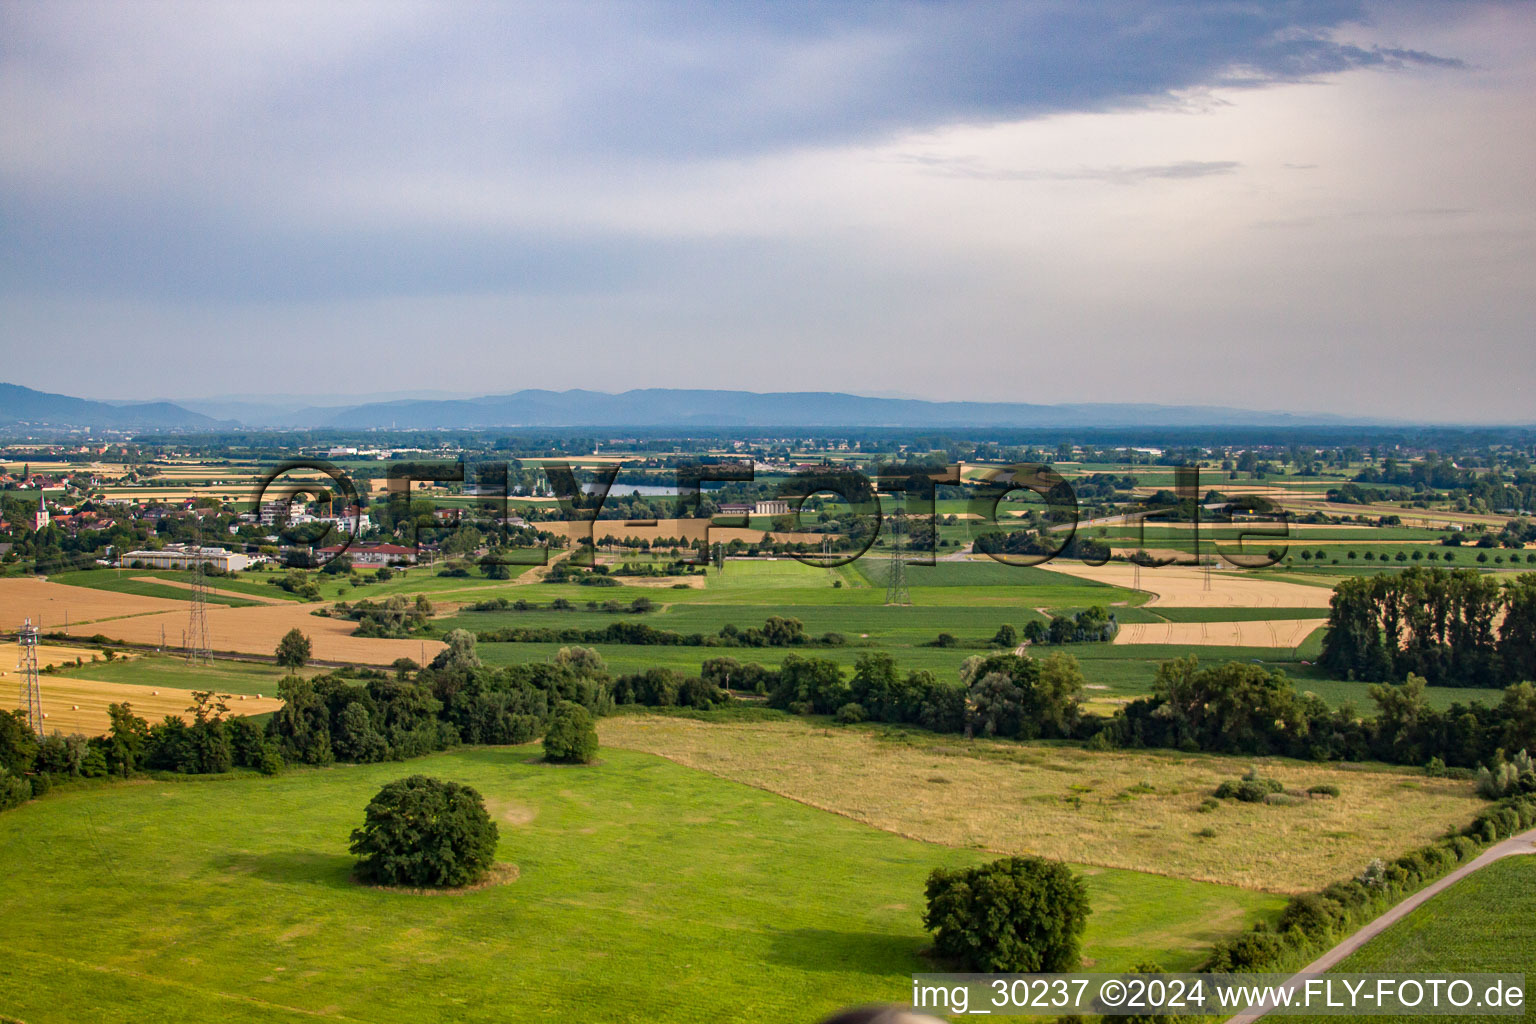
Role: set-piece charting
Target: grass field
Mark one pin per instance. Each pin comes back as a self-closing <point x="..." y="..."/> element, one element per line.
<point x="137" y="581"/>
<point x="1485" y="923"/>
<point x="647" y="892"/>
<point x="152" y="670"/>
<point x="1117" y="809"/>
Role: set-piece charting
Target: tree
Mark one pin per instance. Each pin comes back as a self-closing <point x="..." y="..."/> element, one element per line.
<point x="425" y="832"/>
<point x="293" y="650"/>
<point x="1018" y="914"/>
<point x="494" y="568"/>
<point x="1006" y="636"/>
<point x="459" y="652"/>
<point x="125" y="740"/>
<point x="18" y="744"/>
<point x="572" y="736"/>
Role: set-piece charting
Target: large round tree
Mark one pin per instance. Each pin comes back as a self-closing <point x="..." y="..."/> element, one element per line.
<point x="571" y="737"/>
<point x="425" y="833"/>
<point x="1018" y="914"/>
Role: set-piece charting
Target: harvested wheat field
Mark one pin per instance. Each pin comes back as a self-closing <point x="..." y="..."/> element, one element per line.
<point x="688" y="529"/>
<point x="1257" y="633"/>
<point x="80" y="705"/>
<point x="46" y="603"/>
<point x="257" y="631"/>
<point x="1134" y="810"/>
<point x="1178" y="586"/>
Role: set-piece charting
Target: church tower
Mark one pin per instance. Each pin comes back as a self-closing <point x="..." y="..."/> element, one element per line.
<point x="40" y="519"/>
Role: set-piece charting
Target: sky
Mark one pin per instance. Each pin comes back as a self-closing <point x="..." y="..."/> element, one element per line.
<point x="1312" y="206"/>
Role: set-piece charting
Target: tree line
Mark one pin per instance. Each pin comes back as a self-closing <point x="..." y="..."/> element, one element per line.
<point x="777" y="631"/>
<point x="1453" y="627"/>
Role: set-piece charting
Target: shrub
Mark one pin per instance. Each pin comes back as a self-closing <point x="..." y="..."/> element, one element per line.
<point x="850" y="713"/>
<point x="1312" y="913"/>
<point x="425" y="833"/>
<point x="571" y="737"/>
<point x="1323" y="789"/>
<point x="14" y="790"/>
<point x="1252" y="788"/>
<point x="1250" y="951"/>
<point x="1024" y="914"/>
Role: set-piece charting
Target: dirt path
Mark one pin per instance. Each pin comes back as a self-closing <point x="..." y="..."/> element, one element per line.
<point x="1523" y="843"/>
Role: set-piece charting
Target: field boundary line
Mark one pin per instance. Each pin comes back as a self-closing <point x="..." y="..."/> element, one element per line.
<point x="189" y="987"/>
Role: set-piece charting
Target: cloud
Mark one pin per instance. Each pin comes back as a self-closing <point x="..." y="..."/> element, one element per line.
<point x="962" y="167"/>
<point x="735" y="190"/>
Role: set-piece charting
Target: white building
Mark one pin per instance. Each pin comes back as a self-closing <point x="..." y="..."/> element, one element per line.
<point x="183" y="556"/>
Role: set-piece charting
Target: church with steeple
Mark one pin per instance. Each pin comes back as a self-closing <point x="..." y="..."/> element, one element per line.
<point x="40" y="517"/>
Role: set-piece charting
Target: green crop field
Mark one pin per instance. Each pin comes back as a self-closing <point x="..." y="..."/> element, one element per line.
<point x="1486" y="923"/>
<point x="123" y="581"/>
<point x="647" y="891"/>
<point x="223" y="675"/>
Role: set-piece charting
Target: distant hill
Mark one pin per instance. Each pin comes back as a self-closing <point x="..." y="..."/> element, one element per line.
<point x="24" y="407"/>
<point x="661" y="407"/>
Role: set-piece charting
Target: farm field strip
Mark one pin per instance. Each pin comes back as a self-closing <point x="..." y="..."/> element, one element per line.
<point x="1184" y="586"/>
<point x="1246" y="633"/>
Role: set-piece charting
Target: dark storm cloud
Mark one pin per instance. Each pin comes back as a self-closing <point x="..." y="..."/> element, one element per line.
<point x="186" y="150"/>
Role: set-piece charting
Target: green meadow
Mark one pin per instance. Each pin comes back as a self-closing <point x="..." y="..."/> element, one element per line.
<point x="646" y="891"/>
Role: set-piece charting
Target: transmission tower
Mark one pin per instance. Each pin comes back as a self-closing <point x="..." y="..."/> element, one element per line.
<point x="199" y="644"/>
<point x="896" y="578"/>
<point x="26" y="664"/>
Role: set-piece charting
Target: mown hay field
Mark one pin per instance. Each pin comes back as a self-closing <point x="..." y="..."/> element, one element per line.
<point x="1121" y="809"/>
<point x="72" y="705"/>
<point x="257" y="630"/>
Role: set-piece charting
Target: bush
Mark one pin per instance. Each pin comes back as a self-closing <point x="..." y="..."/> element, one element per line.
<point x="1252" y="788"/>
<point x="571" y="737"/>
<point x="850" y="714"/>
<point x="1023" y="914"/>
<point x="1323" y="789"/>
<point x="15" y="790"/>
<point x="425" y="833"/>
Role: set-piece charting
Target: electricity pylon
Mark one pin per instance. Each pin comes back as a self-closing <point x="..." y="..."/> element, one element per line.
<point x="26" y="664"/>
<point x="896" y="577"/>
<point x="199" y="644"/>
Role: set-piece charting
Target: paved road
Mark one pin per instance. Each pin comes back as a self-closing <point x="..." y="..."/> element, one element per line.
<point x="1525" y="842"/>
